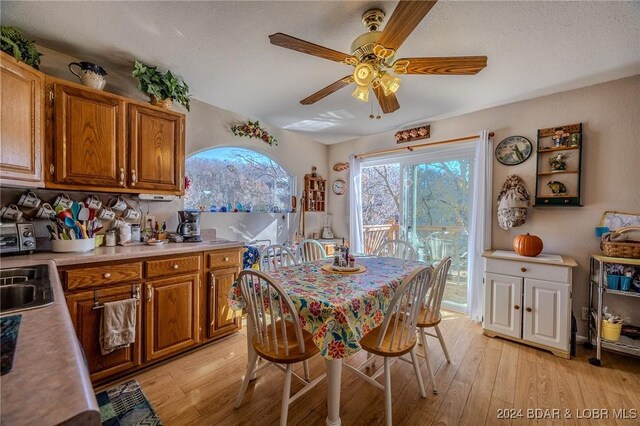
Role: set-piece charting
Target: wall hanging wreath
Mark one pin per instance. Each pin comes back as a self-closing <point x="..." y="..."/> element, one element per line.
<point x="252" y="129"/>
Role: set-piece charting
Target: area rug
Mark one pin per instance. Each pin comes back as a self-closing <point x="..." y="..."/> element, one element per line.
<point x="126" y="405"/>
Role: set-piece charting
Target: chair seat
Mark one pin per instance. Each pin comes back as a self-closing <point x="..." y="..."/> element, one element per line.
<point x="369" y="343"/>
<point x="295" y="355"/>
<point x="428" y="318"/>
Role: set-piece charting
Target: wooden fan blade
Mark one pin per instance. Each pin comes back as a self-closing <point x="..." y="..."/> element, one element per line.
<point x="289" y="42"/>
<point x="326" y="91"/>
<point x="389" y="103"/>
<point x="455" y="65"/>
<point x="404" y="19"/>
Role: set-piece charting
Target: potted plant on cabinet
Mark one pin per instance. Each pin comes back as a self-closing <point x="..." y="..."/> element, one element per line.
<point x="15" y="42"/>
<point x="162" y="89"/>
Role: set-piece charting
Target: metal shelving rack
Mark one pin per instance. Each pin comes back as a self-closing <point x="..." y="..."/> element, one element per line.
<point x="625" y="344"/>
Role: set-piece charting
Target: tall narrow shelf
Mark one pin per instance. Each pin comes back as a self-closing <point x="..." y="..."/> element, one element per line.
<point x="564" y="143"/>
<point x="597" y="291"/>
<point x="316" y="193"/>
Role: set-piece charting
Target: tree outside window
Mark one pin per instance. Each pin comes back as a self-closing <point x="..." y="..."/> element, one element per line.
<point x="223" y="176"/>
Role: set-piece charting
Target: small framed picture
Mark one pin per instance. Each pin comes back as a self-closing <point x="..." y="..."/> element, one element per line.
<point x="513" y="150"/>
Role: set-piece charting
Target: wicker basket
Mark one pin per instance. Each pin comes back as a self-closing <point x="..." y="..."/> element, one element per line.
<point x="628" y="249"/>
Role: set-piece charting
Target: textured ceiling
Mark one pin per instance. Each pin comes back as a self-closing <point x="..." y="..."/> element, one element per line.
<point x="221" y="49"/>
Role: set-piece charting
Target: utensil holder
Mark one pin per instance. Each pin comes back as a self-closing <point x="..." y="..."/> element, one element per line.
<point x="613" y="282"/>
<point x="70" y="246"/>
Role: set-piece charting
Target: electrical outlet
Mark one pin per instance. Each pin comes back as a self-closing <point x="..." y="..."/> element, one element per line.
<point x="147" y="218"/>
<point x="585" y="313"/>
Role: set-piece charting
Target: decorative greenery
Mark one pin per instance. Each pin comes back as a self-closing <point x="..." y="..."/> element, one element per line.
<point x="252" y="129"/>
<point x="15" y="43"/>
<point x="162" y="86"/>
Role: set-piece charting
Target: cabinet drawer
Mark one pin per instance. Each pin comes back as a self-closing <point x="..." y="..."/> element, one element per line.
<point x="179" y="265"/>
<point x="539" y="271"/>
<point x="223" y="259"/>
<point x="101" y="275"/>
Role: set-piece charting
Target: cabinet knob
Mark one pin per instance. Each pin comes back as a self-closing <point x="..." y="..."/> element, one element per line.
<point x="106" y="275"/>
<point x="516" y="307"/>
<point x="149" y="293"/>
<point x="523" y="269"/>
<point x="134" y="178"/>
<point x="121" y="176"/>
<point x="176" y="266"/>
<point x="226" y="259"/>
<point x="528" y="309"/>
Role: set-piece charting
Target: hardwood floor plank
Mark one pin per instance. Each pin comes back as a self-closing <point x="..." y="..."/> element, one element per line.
<point x="486" y="374"/>
<point x="505" y="385"/>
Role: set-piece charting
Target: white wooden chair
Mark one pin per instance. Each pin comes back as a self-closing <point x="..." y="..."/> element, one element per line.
<point x="430" y="315"/>
<point x="397" y="248"/>
<point x="276" y="256"/>
<point x="278" y="335"/>
<point x="396" y="336"/>
<point x="311" y="250"/>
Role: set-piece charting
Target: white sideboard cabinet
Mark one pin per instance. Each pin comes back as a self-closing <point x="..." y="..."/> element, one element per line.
<point x="528" y="299"/>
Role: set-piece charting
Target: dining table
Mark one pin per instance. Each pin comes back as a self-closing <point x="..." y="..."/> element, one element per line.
<point x="337" y="308"/>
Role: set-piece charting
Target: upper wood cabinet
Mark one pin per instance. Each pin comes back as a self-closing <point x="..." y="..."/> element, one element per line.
<point x="156" y="149"/>
<point x="89" y="138"/>
<point x="21" y="123"/>
<point x="99" y="141"/>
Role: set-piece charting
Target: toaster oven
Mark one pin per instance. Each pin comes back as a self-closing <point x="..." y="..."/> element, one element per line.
<point x="17" y="238"/>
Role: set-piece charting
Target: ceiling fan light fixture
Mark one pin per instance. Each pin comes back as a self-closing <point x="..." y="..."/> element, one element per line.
<point x="361" y="93"/>
<point x="389" y="83"/>
<point x="364" y="74"/>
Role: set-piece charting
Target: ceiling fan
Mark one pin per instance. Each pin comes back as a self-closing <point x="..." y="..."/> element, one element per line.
<point x="372" y="56"/>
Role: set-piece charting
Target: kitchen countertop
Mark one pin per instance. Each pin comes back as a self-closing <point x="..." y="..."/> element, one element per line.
<point x="107" y="254"/>
<point x="49" y="382"/>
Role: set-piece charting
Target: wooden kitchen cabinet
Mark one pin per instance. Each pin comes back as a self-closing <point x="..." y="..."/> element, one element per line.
<point x="223" y="269"/>
<point x="86" y="321"/>
<point x="172" y="313"/>
<point x="156" y="149"/>
<point x="528" y="300"/>
<point x="21" y="124"/>
<point x="89" y="144"/>
<point x="98" y="141"/>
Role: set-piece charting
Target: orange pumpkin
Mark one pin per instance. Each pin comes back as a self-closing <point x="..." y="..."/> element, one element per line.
<point x="527" y="245"/>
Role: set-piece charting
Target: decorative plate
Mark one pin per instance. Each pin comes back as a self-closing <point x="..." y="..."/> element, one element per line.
<point x="513" y="150"/>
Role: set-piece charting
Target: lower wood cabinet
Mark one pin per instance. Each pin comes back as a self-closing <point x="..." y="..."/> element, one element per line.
<point x="529" y="301"/>
<point x="176" y="310"/>
<point x="220" y="318"/>
<point x="86" y="320"/>
<point x="171" y="316"/>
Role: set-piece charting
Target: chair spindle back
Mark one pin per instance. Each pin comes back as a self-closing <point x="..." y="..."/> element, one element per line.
<point x="438" y="281"/>
<point x="276" y="256"/>
<point x="402" y="314"/>
<point x="270" y="309"/>
<point x="311" y="250"/>
<point x="399" y="249"/>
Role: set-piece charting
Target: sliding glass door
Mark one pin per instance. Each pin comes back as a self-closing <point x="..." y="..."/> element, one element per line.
<point x="425" y="199"/>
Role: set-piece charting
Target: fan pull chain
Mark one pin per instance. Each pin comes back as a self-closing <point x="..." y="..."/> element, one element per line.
<point x="371" y="116"/>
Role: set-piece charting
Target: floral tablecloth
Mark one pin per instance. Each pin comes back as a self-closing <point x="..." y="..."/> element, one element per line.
<point x="339" y="309"/>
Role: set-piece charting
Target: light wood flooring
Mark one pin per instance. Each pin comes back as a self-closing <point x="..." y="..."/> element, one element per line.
<point x="485" y="375"/>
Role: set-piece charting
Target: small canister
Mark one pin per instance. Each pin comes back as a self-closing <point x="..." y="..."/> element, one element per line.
<point x="135" y="232"/>
<point x="124" y="233"/>
<point x="110" y="238"/>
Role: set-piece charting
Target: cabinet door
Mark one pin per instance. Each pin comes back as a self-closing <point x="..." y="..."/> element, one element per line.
<point x="89" y="138"/>
<point x="86" y="322"/>
<point x="547" y="310"/>
<point x="22" y="123"/>
<point x="156" y="141"/>
<point x="502" y="304"/>
<point x="171" y="315"/>
<point x="220" y="318"/>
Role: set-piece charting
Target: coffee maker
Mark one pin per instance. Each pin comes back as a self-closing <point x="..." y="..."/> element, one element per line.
<point x="189" y="226"/>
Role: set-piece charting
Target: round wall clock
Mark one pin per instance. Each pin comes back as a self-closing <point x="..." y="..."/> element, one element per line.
<point x="513" y="150"/>
<point x="339" y="187"/>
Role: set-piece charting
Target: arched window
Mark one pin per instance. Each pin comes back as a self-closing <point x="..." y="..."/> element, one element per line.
<point x="223" y="177"/>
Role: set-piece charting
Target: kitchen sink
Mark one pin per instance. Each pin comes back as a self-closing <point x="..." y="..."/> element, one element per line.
<point x="24" y="288"/>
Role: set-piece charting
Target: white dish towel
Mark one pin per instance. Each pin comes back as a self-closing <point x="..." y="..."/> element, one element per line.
<point x="117" y="325"/>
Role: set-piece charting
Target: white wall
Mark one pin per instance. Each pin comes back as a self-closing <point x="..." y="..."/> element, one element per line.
<point x="610" y="115"/>
<point x="209" y="126"/>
